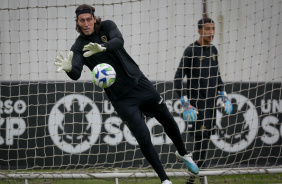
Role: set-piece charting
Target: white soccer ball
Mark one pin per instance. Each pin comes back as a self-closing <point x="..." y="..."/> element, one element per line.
<point x="104" y="75"/>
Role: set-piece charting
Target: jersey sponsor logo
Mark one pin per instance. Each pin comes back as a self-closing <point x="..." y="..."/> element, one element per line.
<point x="104" y="38"/>
<point x="201" y="58"/>
<point x="236" y="136"/>
<point x="74" y="123"/>
<point x="213" y="57"/>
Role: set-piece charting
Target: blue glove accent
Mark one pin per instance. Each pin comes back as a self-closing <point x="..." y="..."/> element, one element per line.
<point x="184" y="101"/>
<point x="190" y="112"/>
<point x="228" y="107"/>
<point x="190" y="115"/>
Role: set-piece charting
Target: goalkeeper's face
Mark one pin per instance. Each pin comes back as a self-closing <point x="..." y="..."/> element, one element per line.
<point x="207" y="33"/>
<point x="86" y="23"/>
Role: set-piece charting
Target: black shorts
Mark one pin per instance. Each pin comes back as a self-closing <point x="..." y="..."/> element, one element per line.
<point x="144" y="99"/>
<point x="204" y="126"/>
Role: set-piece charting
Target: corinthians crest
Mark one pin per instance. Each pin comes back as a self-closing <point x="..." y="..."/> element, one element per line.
<point x="74" y="129"/>
<point x="74" y="123"/>
<point x="213" y="57"/>
<point x="237" y="133"/>
<point x="234" y="132"/>
<point x="104" y="38"/>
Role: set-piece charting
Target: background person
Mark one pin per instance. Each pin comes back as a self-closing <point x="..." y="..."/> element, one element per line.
<point x="200" y="65"/>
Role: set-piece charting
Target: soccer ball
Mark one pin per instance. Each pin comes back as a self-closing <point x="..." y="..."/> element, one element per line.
<point x="104" y="75"/>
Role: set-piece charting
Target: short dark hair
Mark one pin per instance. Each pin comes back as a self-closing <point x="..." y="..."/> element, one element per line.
<point x="202" y="22"/>
<point x="84" y="8"/>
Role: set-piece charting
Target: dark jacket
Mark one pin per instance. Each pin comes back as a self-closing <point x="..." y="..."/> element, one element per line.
<point x="127" y="71"/>
<point x="200" y="65"/>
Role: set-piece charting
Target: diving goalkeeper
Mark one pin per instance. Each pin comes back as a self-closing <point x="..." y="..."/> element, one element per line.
<point x="132" y="95"/>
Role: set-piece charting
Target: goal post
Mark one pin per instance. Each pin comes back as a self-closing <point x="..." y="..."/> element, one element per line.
<point x="52" y="127"/>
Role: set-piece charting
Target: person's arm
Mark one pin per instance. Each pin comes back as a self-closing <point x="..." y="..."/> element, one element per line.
<point x="115" y="37"/>
<point x="220" y="84"/>
<point x="225" y="103"/>
<point x="178" y="78"/>
<point x="115" y="40"/>
<point x="184" y="69"/>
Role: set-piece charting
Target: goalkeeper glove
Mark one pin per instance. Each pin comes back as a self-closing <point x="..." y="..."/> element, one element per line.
<point x="225" y="103"/>
<point x="93" y="48"/>
<point x="190" y="112"/>
<point x="64" y="63"/>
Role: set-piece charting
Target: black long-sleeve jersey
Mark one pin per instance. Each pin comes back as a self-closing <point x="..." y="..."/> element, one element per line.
<point x="127" y="71"/>
<point x="200" y="65"/>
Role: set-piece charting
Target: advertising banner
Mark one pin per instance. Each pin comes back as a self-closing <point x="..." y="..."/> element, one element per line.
<point x="75" y="125"/>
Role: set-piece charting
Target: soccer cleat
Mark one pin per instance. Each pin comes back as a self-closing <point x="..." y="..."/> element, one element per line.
<point x="187" y="159"/>
<point x="166" y="182"/>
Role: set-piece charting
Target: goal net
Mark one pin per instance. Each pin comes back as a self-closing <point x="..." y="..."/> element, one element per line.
<point x="54" y="126"/>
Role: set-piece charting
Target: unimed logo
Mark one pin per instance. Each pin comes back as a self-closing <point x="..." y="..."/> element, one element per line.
<point x="74" y="123"/>
<point x="233" y="136"/>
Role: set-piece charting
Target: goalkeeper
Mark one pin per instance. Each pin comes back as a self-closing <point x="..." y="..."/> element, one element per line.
<point x="132" y="94"/>
<point x="200" y="65"/>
